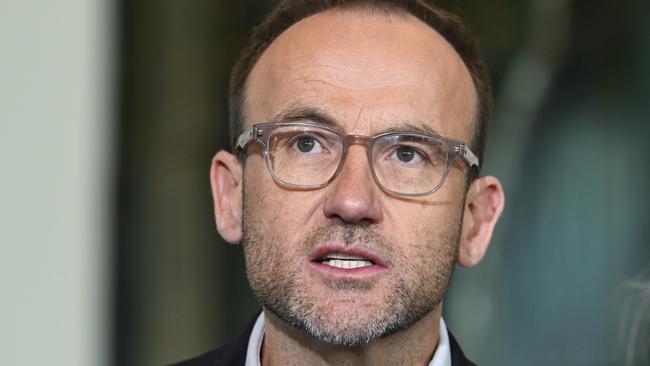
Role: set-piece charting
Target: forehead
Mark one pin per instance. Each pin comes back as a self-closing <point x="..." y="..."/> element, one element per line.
<point x="368" y="71"/>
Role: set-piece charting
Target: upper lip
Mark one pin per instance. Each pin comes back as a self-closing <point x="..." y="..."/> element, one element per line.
<point x="322" y="251"/>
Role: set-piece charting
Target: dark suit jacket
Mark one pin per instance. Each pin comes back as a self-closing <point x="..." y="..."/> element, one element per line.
<point x="234" y="353"/>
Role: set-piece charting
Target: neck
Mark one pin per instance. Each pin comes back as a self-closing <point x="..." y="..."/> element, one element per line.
<point x="286" y="345"/>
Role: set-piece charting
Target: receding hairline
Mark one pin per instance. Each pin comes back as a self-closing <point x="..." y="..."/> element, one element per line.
<point x="446" y="23"/>
<point x="385" y="11"/>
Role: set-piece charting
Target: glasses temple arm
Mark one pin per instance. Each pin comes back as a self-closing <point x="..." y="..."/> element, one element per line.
<point x="246" y="137"/>
<point x="468" y="155"/>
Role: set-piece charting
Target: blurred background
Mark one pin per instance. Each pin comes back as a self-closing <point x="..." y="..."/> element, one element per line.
<point x="111" y="111"/>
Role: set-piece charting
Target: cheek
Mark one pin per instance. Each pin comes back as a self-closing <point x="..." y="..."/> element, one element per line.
<point x="457" y="177"/>
<point x="279" y="212"/>
<point x="257" y="181"/>
<point x="426" y="228"/>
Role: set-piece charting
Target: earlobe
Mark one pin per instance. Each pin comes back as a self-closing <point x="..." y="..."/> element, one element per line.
<point x="483" y="207"/>
<point x="226" y="180"/>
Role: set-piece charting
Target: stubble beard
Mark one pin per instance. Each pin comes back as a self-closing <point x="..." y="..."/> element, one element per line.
<point x="275" y="274"/>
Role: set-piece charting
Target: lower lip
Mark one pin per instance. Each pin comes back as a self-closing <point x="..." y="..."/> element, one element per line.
<point x="361" y="272"/>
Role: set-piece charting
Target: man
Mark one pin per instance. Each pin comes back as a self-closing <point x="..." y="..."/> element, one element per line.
<point x="353" y="187"/>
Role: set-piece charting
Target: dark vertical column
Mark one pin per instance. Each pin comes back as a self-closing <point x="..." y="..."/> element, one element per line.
<point x="178" y="288"/>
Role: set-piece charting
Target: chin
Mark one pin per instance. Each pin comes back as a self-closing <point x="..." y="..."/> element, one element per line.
<point x="347" y="321"/>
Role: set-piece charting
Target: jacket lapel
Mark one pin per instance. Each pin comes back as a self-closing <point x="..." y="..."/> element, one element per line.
<point x="457" y="356"/>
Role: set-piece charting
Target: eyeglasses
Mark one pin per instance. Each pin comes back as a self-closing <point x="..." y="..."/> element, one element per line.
<point x="303" y="155"/>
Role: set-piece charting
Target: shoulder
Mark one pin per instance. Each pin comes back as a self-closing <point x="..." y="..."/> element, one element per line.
<point x="220" y="356"/>
<point x="231" y="354"/>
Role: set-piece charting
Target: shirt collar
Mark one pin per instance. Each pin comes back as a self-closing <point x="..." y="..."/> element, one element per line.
<point x="442" y="356"/>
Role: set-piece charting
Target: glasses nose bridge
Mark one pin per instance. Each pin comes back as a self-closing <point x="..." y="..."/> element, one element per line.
<point x="358" y="139"/>
<point x="350" y="140"/>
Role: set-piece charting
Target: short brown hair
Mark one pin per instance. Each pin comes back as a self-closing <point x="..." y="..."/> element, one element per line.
<point x="289" y="12"/>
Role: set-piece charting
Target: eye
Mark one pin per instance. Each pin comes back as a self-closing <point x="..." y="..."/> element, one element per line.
<point x="307" y="144"/>
<point x="407" y="154"/>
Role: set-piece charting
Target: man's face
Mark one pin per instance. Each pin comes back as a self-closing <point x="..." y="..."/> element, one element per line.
<point x="370" y="73"/>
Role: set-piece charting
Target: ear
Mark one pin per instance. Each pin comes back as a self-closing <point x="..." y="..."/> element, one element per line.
<point x="483" y="207"/>
<point x="226" y="180"/>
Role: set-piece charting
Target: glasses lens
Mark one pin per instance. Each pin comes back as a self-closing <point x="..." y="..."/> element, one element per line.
<point x="410" y="164"/>
<point x="304" y="155"/>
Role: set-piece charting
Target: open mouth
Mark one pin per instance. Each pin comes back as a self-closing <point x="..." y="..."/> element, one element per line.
<point x="345" y="261"/>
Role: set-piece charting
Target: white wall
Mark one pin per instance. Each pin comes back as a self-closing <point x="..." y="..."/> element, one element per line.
<point x="55" y="180"/>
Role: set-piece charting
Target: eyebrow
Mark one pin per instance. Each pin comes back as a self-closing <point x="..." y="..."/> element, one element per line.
<point x="318" y="116"/>
<point x="310" y="114"/>
<point x="412" y="127"/>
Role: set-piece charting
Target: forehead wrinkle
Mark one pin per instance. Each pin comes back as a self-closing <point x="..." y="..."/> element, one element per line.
<point x="438" y="78"/>
<point x="349" y="77"/>
<point x="358" y="121"/>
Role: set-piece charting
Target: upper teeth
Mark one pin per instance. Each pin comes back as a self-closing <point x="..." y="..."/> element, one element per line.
<point x="337" y="255"/>
<point x="342" y="260"/>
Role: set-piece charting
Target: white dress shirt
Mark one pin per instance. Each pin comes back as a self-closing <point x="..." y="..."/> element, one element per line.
<point x="442" y="356"/>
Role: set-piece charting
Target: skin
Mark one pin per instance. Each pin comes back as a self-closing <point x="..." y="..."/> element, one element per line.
<point x="368" y="72"/>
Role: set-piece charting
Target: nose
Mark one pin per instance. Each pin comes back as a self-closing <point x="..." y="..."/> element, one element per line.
<point x="353" y="195"/>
